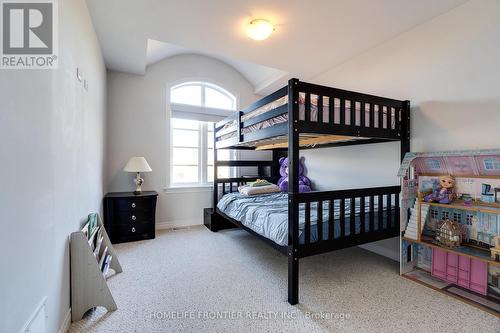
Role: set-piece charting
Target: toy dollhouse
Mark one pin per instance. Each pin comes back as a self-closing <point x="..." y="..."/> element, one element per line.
<point x="448" y="233"/>
<point x="450" y="224"/>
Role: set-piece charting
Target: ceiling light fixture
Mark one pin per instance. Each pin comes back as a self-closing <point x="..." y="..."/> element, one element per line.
<point x="259" y="29"/>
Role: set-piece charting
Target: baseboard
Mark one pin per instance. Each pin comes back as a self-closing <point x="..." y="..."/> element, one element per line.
<point x="66" y="322"/>
<point x="39" y="314"/>
<point x="383" y="250"/>
<point x="179" y="223"/>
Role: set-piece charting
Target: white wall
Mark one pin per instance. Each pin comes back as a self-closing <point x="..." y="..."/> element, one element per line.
<point x="52" y="161"/>
<point x="346" y="167"/>
<point x="449" y="68"/>
<point x="138" y="125"/>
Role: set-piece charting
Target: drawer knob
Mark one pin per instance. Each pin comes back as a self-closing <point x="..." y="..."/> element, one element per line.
<point x="134" y="218"/>
<point x="133" y="205"/>
<point x="133" y="229"/>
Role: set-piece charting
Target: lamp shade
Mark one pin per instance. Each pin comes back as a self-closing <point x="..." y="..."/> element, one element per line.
<point x="137" y="164"/>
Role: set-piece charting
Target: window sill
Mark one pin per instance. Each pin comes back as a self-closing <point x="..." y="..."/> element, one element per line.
<point x="188" y="189"/>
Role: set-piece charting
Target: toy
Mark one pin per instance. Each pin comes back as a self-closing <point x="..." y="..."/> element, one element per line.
<point x="445" y="193"/>
<point x="487" y="195"/>
<point x="304" y="182"/>
<point x="460" y="270"/>
<point x="449" y="234"/>
<point x="464" y="251"/>
<point x="495" y="251"/>
<point x="467" y="200"/>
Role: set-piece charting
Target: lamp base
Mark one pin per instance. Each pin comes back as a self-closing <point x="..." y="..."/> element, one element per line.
<point x="138" y="182"/>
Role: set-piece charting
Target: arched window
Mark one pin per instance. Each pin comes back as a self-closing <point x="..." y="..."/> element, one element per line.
<point x="195" y="107"/>
<point x="202" y="94"/>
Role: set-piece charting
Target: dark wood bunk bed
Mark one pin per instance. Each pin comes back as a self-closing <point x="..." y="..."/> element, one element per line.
<point x="342" y="118"/>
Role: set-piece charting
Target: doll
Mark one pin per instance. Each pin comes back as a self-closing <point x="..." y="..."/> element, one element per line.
<point x="444" y="194"/>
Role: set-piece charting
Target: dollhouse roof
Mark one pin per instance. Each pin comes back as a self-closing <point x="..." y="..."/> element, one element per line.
<point x="458" y="163"/>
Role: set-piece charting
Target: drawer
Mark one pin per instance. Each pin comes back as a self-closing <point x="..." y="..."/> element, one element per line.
<point x="463" y="275"/>
<point x="451" y="278"/>
<point x="127" y="217"/>
<point x="439" y="263"/>
<point x="133" y="204"/>
<point x="464" y="263"/>
<point x="452" y="260"/>
<point x="439" y="273"/>
<point x="134" y="229"/>
<point x="451" y="271"/>
<point x="463" y="283"/>
<point x="481" y="289"/>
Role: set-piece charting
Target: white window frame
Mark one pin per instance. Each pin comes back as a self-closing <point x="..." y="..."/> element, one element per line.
<point x="203" y="86"/>
<point x="203" y="135"/>
<point x="202" y="156"/>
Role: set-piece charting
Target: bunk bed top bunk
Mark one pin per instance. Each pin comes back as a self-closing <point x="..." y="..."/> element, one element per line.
<point x="326" y="116"/>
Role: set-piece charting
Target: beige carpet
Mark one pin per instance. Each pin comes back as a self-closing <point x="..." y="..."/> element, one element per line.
<point x="181" y="280"/>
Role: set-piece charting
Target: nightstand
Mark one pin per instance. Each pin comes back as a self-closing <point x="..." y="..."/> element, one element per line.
<point x="130" y="217"/>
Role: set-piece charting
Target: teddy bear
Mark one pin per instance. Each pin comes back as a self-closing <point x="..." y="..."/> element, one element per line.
<point x="304" y="182"/>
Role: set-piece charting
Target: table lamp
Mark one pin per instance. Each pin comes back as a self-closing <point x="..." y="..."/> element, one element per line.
<point x="138" y="165"/>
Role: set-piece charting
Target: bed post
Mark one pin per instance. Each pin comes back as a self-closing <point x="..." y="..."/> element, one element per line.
<point x="405" y="129"/>
<point x="215" y="194"/>
<point x="405" y="148"/>
<point x="293" y="189"/>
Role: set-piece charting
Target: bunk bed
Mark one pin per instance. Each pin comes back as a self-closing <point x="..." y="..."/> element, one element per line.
<point x="304" y="116"/>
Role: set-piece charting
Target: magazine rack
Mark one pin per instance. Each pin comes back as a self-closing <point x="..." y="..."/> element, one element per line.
<point x="88" y="284"/>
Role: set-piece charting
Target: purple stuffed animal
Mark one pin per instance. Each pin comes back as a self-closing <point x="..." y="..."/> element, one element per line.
<point x="304" y="182"/>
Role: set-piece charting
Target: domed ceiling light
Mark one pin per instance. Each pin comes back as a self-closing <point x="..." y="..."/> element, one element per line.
<point x="259" y="29"/>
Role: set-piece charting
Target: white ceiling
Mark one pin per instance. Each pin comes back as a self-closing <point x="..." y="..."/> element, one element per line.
<point x="311" y="36"/>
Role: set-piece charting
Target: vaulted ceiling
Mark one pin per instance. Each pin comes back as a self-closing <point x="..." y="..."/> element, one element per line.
<point x="311" y="36"/>
<point x="259" y="76"/>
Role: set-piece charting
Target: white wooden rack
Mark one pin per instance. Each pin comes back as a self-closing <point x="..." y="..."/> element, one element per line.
<point x="88" y="283"/>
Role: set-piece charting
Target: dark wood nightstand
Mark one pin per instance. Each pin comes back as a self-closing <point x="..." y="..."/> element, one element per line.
<point x="130" y="217"/>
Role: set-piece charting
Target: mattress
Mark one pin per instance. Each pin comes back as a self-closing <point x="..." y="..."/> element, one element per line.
<point x="386" y="114"/>
<point x="267" y="215"/>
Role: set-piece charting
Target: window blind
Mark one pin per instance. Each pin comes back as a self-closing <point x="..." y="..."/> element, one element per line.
<point x="201" y="113"/>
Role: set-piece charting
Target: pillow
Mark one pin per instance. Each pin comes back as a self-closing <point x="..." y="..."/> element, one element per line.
<point x="249" y="190"/>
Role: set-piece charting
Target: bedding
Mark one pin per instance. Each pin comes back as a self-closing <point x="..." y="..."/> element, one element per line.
<point x="314" y="114"/>
<point x="267" y="215"/>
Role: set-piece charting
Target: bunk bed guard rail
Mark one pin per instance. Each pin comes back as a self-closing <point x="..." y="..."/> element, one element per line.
<point x="334" y="220"/>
